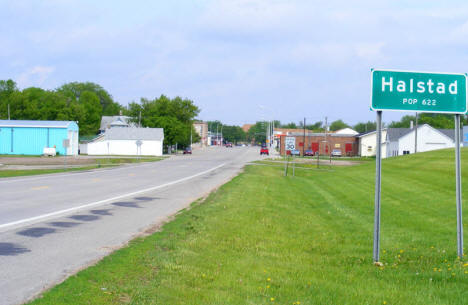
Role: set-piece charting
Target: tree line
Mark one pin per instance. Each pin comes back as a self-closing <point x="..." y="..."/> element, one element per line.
<point x="87" y="102"/>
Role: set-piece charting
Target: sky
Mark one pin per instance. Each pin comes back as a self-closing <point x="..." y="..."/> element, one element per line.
<point x="239" y="61"/>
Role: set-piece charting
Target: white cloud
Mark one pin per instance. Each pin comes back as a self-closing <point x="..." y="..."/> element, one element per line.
<point x="35" y="76"/>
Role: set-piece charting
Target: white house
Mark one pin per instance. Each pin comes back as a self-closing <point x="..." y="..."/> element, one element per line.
<point x="428" y="139"/>
<point x="368" y="141"/>
<point x="401" y="141"/>
<point x="131" y="141"/>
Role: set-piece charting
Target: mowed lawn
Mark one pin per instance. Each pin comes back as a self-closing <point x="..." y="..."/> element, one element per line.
<point x="267" y="239"/>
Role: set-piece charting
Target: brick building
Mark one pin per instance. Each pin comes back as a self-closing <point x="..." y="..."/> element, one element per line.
<point x="347" y="143"/>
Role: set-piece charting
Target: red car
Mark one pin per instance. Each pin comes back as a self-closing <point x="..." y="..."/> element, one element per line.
<point x="264" y="151"/>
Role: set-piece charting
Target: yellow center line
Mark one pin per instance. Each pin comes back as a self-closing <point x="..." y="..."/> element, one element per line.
<point x="38" y="188"/>
<point x="131" y="175"/>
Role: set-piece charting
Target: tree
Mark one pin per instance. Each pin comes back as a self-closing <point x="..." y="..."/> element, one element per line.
<point x="233" y="134"/>
<point x="7" y="88"/>
<point x="176" y="116"/>
<point x="291" y="125"/>
<point x="75" y="89"/>
<point x="365" y="127"/>
<point x="404" y="122"/>
<point x="257" y="133"/>
<point x="337" y="125"/>
<point x="91" y="121"/>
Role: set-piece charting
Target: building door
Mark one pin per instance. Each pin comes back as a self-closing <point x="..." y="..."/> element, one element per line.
<point x="315" y="147"/>
<point x="349" y="148"/>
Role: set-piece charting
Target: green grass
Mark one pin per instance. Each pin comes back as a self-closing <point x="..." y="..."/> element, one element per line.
<point x="31" y="172"/>
<point x="267" y="239"/>
<point x="104" y="162"/>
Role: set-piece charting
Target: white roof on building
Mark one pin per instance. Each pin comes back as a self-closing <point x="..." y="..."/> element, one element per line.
<point x="347" y="131"/>
<point x="134" y="133"/>
<point x="30" y="123"/>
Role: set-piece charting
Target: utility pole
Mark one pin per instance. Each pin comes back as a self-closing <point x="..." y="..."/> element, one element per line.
<point x="190" y="137"/>
<point x="139" y="120"/>
<point x="273" y="130"/>
<point x="303" y="138"/>
<point x="326" y="128"/>
<point x="8" y="112"/>
<point x="416" y="135"/>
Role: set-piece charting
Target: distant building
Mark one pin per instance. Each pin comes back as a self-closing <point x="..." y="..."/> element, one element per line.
<point x="246" y="127"/>
<point x="131" y="141"/>
<point x="215" y="138"/>
<point x="115" y="121"/>
<point x="18" y="137"/>
<point x="202" y="129"/>
<point x="401" y="141"/>
<point x="319" y="142"/>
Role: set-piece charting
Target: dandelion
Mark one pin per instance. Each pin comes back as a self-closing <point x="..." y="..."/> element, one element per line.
<point x="272" y="299"/>
<point x="384" y="302"/>
<point x="401" y="251"/>
<point x="268" y="279"/>
<point x="268" y="286"/>
<point x="465" y="265"/>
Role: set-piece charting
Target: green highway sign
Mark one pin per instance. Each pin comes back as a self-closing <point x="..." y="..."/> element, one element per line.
<point x="418" y="91"/>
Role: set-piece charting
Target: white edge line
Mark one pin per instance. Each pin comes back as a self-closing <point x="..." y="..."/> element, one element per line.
<point x="14" y="223"/>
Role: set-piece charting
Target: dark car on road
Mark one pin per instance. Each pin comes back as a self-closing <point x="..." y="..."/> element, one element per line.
<point x="309" y="153"/>
<point x="188" y="150"/>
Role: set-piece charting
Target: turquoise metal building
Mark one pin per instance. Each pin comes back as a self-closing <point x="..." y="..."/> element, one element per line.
<point x="31" y="137"/>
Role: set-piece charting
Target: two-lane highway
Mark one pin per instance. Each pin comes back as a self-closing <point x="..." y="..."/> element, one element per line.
<point x="51" y="226"/>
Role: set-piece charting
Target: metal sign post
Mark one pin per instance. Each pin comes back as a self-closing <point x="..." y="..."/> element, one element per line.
<point x="458" y="187"/>
<point x="420" y="92"/>
<point x="378" y="173"/>
<point x="65" y="144"/>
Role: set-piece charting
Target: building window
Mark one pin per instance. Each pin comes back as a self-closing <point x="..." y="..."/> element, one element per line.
<point x="406" y="152"/>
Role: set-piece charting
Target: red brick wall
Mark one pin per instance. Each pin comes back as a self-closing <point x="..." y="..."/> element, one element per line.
<point x="333" y="142"/>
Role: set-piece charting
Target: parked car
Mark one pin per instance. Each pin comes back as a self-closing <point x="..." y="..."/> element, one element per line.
<point x="336" y="153"/>
<point x="264" y="151"/>
<point x="228" y="144"/>
<point x="309" y="153"/>
<point x="188" y="150"/>
<point x="295" y="152"/>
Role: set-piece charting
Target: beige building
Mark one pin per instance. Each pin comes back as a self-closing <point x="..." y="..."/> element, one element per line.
<point x="202" y="129"/>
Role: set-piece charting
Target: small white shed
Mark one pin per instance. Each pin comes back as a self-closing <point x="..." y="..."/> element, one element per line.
<point x="131" y="141"/>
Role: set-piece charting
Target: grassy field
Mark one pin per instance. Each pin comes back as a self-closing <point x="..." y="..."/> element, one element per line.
<point x="107" y="162"/>
<point x="31" y="172"/>
<point x="268" y="239"/>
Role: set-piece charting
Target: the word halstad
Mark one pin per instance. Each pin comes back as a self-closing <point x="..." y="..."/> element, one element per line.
<point x="418" y="91"/>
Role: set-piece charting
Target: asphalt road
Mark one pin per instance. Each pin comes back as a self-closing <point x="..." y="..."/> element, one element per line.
<point x="52" y="226"/>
